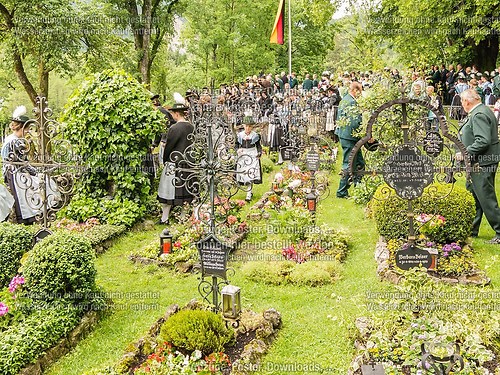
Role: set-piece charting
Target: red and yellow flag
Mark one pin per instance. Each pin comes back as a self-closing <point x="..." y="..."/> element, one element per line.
<point x="277" y="36"/>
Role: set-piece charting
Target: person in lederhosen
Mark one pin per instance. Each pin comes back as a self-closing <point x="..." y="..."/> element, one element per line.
<point x="249" y="149"/>
<point x="15" y="149"/>
<point x="176" y="188"/>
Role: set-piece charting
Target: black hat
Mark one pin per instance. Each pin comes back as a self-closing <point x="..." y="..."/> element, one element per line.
<point x="155" y="96"/>
<point x="19" y="115"/>
<point x="178" y="107"/>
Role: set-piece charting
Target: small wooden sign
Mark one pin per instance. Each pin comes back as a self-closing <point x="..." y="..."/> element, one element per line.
<point x="213" y="256"/>
<point x="413" y="257"/>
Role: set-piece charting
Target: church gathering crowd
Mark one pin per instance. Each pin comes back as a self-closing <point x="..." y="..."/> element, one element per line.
<point x="280" y="103"/>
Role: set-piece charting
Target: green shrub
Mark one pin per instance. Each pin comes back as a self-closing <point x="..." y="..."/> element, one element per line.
<point x="15" y="240"/>
<point x="116" y="211"/>
<point x="101" y="233"/>
<point x="310" y="273"/>
<point x="455" y="203"/>
<point x="61" y="265"/>
<point x="273" y="273"/>
<point x="23" y="343"/>
<point x="202" y="330"/>
<point x="315" y="273"/>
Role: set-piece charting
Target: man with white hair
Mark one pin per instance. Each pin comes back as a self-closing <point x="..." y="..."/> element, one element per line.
<point x="479" y="134"/>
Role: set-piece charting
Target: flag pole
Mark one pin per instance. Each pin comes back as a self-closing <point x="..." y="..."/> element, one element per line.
<point x="289" y="37"/>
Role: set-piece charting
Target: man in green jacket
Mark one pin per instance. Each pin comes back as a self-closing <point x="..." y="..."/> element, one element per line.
<point x="479" y="134"/>
<point x="349" y="119"/>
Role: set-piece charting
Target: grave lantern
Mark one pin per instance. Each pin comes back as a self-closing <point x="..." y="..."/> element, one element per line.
<point x="311" y="202"/>
<point x="275" y="186"/>
<point x="231" y="302"/>
<point x="165" y="242"/>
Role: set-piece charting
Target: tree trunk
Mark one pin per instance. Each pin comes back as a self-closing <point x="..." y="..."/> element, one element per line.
<point x="144" y="64"/>
<point x="23" y="78"/>
<point x="486" y="53"/>
<point x="43" y="80"/>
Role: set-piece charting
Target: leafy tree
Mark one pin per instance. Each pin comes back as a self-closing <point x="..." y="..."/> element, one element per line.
<point x="38" y="34"/>
<point x="433" y="31"/>
<point x="111" y="123"/>
<point x="150" y="21"/>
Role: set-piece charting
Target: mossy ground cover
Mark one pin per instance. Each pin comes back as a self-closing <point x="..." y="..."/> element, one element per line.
<point x="318" y="322"/>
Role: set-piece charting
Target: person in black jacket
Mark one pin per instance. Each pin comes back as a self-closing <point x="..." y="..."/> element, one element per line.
<point x="176" y="188"/>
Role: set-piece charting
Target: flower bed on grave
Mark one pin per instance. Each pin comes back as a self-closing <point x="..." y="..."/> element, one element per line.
<point x="306" y="254"/>
<point x="186" y="233"/>
<point x="443" y="221"/>
<point x="101" y="236"/>
<point x="421" y="311"/>
<point x="40" y="307"/>
<point x="194" y="340"/>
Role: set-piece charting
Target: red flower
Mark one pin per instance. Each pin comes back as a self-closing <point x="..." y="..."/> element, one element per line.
<point x="177" y="244"/>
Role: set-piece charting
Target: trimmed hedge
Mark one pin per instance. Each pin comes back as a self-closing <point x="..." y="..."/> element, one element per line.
<point x="15" y="240"/>
<point x="23" y="343"/>
<point x="61" y="266"/>
<point x="453" y="202"/>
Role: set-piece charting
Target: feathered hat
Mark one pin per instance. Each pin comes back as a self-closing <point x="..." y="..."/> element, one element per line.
<point x="19" y="114"/>
<point x="180" y="103"/>
<point x="248" y="118"/>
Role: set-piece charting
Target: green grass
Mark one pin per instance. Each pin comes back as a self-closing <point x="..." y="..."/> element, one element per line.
<point x="318" y="323"/>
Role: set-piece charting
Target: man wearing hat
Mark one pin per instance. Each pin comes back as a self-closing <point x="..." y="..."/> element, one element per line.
<point x="248" y="168"/>
<point x="15" y="149"/>
<point x="176" y="188"/>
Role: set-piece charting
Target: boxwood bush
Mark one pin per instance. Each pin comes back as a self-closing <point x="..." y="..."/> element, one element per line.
<point x="203" y="330"/>
<point x="15" y="240"/>
<point x="23" y="343"/>
<point x="61" y="266"/>
<point x="453" y="202"/>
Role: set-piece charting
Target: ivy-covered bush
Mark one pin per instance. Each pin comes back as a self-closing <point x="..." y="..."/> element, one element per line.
<point x="116" y="211"/>
<point x="203" y="330"/>
<point x="15" y="240"/>
<point x="111" y="123"/>
<point x="61" y="266"/>
<point x="454" y="203"/>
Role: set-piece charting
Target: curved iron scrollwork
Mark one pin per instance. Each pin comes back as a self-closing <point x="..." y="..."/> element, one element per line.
<point x="42" y="165"/>
<point x="409" y="145"/>
<point x="442" y="365"/>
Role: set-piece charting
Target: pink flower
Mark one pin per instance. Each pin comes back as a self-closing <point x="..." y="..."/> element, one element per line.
<point x="4" y="309"/>
<point x="231" y="219"/>
<point x="177" y="244"/>
<point x="15" y="282"/>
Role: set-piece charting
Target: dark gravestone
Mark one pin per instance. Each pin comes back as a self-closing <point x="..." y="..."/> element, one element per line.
<point x="413" y="257"/>
<point x="213" y="256"/>
<point x="312" y="161"/>
<point x="408" y="172"/>
<point x="433" y="144"/>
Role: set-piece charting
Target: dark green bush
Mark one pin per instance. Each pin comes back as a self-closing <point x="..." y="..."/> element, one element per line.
<point x="455" y="203"/>
<point x="15" y="240"/>
<point x="101" y="233"/>
<point x="190" y="330"/>
<point x="61" y="266"/>
<point x="23" y="343"/>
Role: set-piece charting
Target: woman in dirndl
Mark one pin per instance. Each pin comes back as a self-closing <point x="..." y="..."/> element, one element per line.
<point x="18" y="177"/>
<point x="249" y="149"/>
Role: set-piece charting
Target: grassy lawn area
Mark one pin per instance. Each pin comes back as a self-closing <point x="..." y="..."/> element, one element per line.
<point x="318" y="323"/>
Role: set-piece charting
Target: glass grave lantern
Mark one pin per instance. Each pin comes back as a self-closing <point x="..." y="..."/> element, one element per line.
<point x="311" y="202"/>
<point x="165" y="242"/>
<point x="231" y="302"/>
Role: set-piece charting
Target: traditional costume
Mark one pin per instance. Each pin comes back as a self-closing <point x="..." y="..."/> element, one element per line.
<point x="248" y="167"/>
